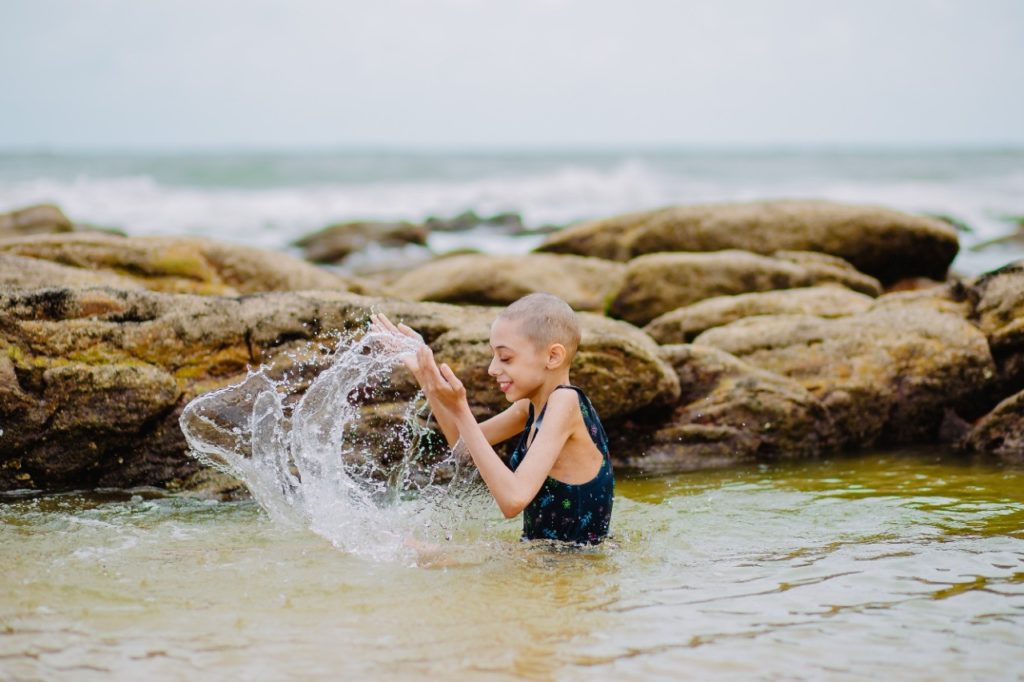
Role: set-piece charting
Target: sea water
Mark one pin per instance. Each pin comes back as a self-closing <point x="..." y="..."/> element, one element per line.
<point x="269" y="199"/>
<point x="899" y="566"/>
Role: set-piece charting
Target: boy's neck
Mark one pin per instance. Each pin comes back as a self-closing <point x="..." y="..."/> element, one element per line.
<point x="540" y="397"/>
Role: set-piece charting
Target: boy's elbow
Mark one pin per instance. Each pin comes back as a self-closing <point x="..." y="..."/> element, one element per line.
<point x="512" y="507"/>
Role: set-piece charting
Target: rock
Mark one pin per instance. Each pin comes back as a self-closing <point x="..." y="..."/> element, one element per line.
<point x="684" y="324"/>
<point x="41" y="219"/>
<point x="509" y="223"/>
<point x="93" y="380"/>
<point x="997" y="299"/>
<point x="1000" y="432"/>
<point x="467" y="220"/>
<point x="881" y="242"/>
<point x="32" y="273"/>
<point x="585" y="283"/>
<point x="886" y="375"/>
<point x="997" y="308"/>
<point x="729" y="412"/>
<point x="333" y="243"/>
<point x="1016" y="237"/>
<point x="661" y="282"/>
<point x="174" y="264"/>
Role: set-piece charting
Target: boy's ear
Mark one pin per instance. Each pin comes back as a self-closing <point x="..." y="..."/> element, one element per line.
<point x="556" y="355"/>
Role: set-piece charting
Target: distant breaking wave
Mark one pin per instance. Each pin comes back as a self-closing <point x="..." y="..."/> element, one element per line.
<point x="294" y="196"/>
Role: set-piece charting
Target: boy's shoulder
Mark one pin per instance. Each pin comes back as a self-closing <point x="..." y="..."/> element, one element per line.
<point x="563" y="402"/>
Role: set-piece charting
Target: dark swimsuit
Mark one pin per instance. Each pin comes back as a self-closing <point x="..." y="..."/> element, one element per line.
<point x="571" y="512"/>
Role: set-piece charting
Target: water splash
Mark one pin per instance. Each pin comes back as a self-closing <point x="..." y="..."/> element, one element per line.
<point x="329" y="439"/>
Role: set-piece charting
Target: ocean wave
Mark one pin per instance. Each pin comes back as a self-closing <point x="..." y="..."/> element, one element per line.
<point x="557" y="194"/>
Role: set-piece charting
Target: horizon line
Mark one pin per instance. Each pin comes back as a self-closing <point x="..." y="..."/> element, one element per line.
<point x="524" y="149"/>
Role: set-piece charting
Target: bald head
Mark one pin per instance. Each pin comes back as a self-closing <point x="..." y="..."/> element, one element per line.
<point x="545" y="319"/>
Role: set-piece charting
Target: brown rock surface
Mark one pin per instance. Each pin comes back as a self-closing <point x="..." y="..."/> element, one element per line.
<point x="881" y="242"/>
<point x="997" y="307"/>
<point x="729" y="412"/>
<point x="335" y="242"/>
<point x="885" y="375"/>
<point x="662" y="282"/>
<point x="94" y="379"/>
<point x="1000" y="432"/>
<point x="684" y="324"/>
<point x="176" y="264"/>
<point x="32" y="273"/>
<point x="585" y="283"/>
<point x="41" y="219"/>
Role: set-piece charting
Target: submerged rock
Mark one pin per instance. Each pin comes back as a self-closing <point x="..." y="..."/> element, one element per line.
<point x="729" y="412"/>
<point x="171" y="264"/>
<point x="584" y="283"/>
<point x="885" y="375"/>
<point x="93" y="380"/>
<point x="662" y="282"/>
<point x="333" y="243"/>
<point x="684" y="324"/>
<point x="881" y="242"/>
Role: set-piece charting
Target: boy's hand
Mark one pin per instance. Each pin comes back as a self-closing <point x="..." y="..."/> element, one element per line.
<point x="381" y="324"/>
<point x="440" y="383"/>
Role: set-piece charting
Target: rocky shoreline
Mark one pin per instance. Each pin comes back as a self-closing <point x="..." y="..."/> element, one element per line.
<point x="716" y="335"/>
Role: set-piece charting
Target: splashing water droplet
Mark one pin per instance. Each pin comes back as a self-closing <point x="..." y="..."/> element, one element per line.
<point x="344" y="453"/>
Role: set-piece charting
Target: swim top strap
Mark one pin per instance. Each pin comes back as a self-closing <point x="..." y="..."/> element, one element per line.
<point x="541" y="416"/>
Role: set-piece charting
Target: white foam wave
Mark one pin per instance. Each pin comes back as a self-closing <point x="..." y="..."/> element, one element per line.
<point x="271" y="217"/>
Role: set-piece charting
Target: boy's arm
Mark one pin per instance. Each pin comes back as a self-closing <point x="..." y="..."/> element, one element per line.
<point x="505" y="424"/>
<point x="498" y="428"/>
<point x="512" y="490"/>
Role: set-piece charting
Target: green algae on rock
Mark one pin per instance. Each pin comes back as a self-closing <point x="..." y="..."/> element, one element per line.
<point x="195" y="265"/>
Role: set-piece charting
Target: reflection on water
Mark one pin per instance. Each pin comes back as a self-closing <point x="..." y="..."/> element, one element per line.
<point x="899" y="566"/>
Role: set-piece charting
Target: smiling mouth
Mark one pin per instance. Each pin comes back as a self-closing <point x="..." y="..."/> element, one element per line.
<point x="504" y="385"/>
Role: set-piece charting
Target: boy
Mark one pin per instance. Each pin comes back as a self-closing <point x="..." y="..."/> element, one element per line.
<point x="559" y="476"/>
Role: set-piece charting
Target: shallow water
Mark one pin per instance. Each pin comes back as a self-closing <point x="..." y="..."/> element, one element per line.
<point x="903" y="565"/>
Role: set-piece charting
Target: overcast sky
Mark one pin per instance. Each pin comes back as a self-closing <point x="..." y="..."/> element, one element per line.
<point x="486" y="73"/>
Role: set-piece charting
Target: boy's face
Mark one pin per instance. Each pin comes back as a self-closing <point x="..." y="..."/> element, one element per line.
<point x="517" y="364"/>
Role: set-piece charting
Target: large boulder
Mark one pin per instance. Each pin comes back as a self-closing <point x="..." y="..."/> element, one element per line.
<point x="93" y="380"/>
<point x="41" y="219"/>
<point x="1000" y="432"/>
<point x="881" y="242"/>
<point x="335" y="242"/>
<point x="193" y="265"/>
<point x="729" y="412"/>
<point x="662" y="282"/>
<point x="584" y="283"/>
<point x="886" y="375"/>
<point x="684" y="324"/>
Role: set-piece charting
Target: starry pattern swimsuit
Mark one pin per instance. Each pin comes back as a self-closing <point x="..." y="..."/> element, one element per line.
<point x="571" y="512"/>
